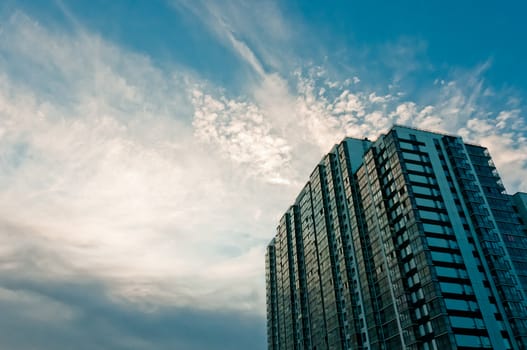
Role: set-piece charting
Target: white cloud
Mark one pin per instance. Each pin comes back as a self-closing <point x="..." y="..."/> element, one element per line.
<point x="318" y="112"/>
<point x="242" y="133"/>
<point x="348" y="103"/>
<point x="106" y="173"/>
<point x="404" y="113"/>
<point x="379" y="99"/>
<point x="245" y="52"/>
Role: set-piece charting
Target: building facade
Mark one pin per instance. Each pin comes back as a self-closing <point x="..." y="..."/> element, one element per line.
<point x="408" y="242"/>
<point x="520" y="206"/>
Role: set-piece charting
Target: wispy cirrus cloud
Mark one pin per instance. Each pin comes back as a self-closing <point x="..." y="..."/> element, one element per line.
<point x="109" y="176"/>
<point x="257" y="32"/>
<point x="322" y="111"/>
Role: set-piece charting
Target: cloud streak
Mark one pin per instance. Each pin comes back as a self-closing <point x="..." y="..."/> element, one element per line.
<point x="83" y="315"/>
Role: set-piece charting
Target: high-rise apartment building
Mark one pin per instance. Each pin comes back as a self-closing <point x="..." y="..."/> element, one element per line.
<point x="408" y="242"/>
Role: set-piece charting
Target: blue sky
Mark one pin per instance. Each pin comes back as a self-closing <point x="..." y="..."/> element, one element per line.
<point x="148" y="148"/>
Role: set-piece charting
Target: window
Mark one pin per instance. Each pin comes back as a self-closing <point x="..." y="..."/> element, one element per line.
<point x="472" y="341"/>
<point x="466" y="322"/>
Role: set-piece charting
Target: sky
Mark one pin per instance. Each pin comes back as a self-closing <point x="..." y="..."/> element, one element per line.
<point x="148" y="148"/>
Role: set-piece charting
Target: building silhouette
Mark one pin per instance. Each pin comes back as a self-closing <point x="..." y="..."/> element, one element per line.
<point x="408" y="242"/>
